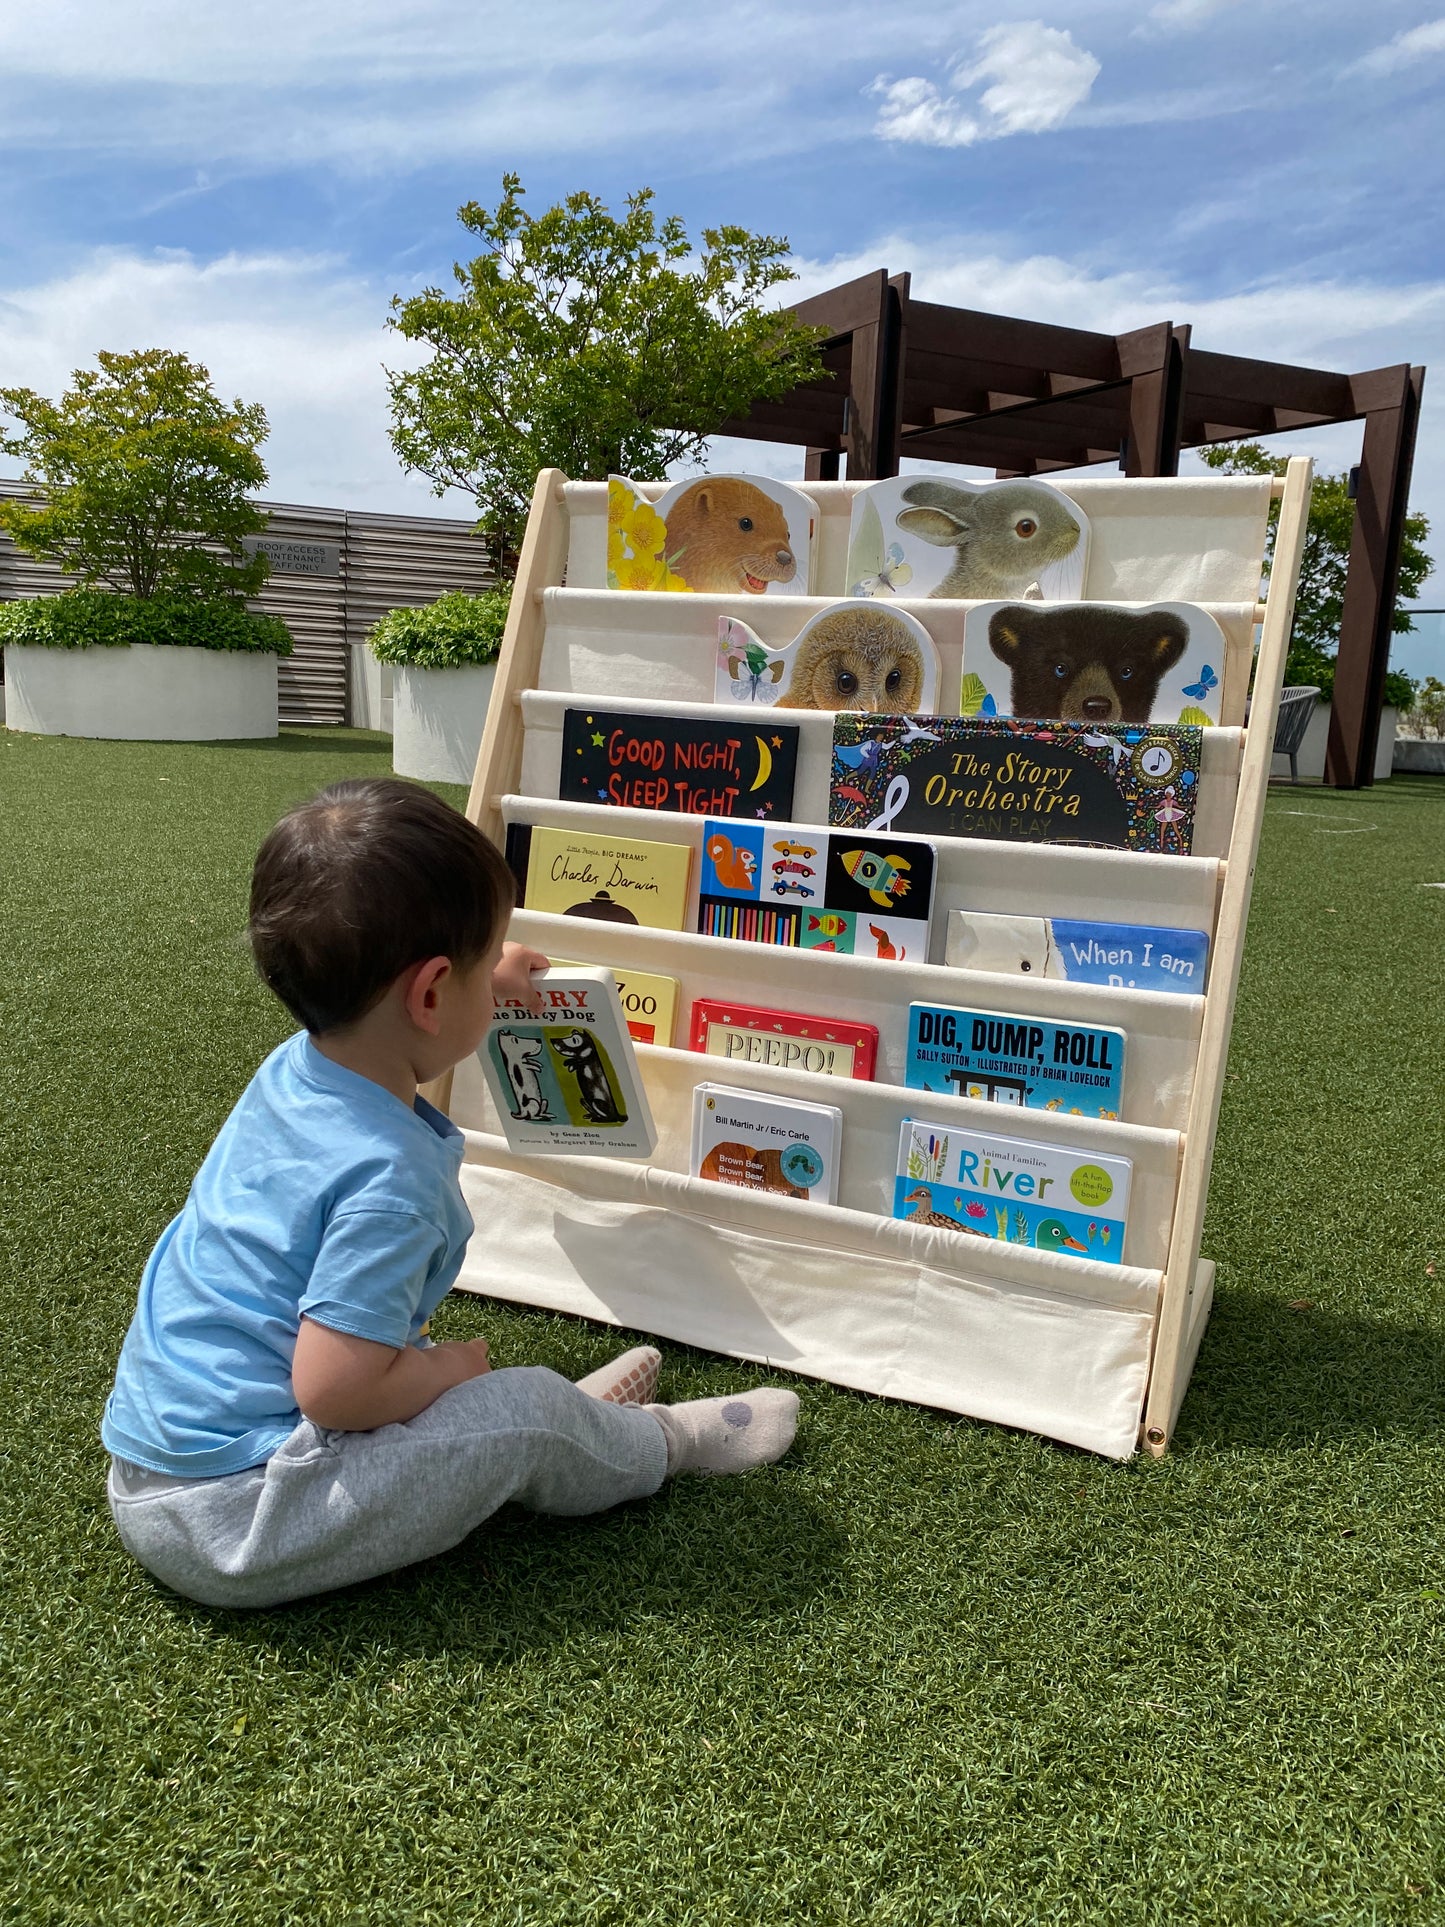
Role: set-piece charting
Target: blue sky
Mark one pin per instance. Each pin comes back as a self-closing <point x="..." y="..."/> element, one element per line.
<point x="254" y="188"/>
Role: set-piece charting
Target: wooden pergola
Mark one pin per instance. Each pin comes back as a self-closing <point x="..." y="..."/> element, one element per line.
<point x="905" y="377"/>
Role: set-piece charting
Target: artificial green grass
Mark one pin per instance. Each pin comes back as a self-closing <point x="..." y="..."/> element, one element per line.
<point x="925" y="1671"/>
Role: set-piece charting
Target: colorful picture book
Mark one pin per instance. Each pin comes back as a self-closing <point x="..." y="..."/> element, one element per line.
<point x="565" y="1080"/>
<point x="746" y="1035"/>
<point x="984" y="541"/>
<point x="637" y="760"/>
<point x="1053" y="1198"/>
<point x="766" y="1143"/>
<point x="851" y="655"/>
<point x="714" y="535"/>
<point x="1129" y="956"/>
<point x="1107" y="784"/>
<point x="573" y="873"/>
<point x="1092" y="662"/>
<point x="791" y="884"/>
<point x="1029" y="1061"/>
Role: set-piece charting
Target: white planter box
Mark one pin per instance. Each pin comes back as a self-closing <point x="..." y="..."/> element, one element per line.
<point x="437" y="717"/>
<point x="370" y="690"/>
<point x="1311" y="758"/>
<point x="146" y="692"/>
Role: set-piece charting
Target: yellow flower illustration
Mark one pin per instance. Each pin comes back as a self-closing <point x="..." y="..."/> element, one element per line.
<point x="636" y="542"/>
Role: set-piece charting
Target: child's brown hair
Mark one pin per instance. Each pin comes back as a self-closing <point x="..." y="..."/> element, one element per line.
<point x="364" y="880"/>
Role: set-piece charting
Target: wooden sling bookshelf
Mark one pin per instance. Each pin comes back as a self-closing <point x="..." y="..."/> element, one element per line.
<point x="1134" y="1339"/>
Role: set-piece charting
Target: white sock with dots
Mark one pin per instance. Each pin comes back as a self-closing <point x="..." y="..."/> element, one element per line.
<point x="628" y="1380"/>
<point x="728" y="1434"/>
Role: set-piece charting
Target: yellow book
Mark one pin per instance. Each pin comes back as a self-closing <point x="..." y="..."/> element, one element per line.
<point x="573" y="873"/>
<point x="649" y="1002"/>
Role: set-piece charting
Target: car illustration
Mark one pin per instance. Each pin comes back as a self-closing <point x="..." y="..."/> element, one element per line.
<point x="801" y="869"/>
<point x="783" y="888"/>
<point x="795" y="849"/>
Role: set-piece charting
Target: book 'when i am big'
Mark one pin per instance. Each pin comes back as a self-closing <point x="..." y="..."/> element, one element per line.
<point x="565" y="1079"/>
<point x="1050" y="1197"/>
<point x="1029" y="1061"/>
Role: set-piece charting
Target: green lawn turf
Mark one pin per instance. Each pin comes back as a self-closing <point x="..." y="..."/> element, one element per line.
<point x="926" y="1671"/>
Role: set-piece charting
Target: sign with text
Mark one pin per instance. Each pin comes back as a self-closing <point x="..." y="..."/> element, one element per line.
<point x="1105" y="784"/>
<point x="700" y="768"/>
<point x="295" y="558"/>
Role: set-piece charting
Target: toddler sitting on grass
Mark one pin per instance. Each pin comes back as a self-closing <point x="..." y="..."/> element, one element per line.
<point x="280" y="1424"/>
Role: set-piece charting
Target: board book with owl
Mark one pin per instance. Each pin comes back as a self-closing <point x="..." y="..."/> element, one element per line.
<point x="565" y="1079"/>
<point x="1050" y="1197"/>
<point x="797" y="886"/>
<point x="612" y="879"/>
<point x="763" y="1143"/>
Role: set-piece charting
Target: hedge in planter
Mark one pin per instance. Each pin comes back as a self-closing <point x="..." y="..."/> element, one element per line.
<point x="444" y="659"/>
<point x="456" y="631"/>
<point x="101" y="619"/>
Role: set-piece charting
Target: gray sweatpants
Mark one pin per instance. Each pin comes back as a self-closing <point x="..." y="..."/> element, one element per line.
<point x="330" y="1508"/>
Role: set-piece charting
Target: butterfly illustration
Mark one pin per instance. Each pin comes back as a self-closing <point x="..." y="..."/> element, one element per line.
<point x="1207" y="681"/>
<point x="753" y="675"/>
<point x="893" y="574"/>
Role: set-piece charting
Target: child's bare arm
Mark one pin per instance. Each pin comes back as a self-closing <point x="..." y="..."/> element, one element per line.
<point x="353" y="1384"/>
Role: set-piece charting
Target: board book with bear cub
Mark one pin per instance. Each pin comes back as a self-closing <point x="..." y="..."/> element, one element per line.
<point x="565" y="1078"/>
<point x="1033" y="1062"/>
<point x="1050" y="1197"/>
<point x="762" y="1143"/>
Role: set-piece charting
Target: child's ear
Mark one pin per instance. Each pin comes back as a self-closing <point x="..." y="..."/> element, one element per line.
<point x="423" y="993"/>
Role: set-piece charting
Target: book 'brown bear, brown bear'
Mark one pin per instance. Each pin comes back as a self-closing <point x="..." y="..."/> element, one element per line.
<point x="1086" y="662"/>
<point x="725" y="535"/>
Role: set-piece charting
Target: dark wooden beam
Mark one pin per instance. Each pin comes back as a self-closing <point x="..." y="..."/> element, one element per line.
<point x="1373" y="576"/>
<point x="1269" y="384"/>
<point x="1037" y="345"/>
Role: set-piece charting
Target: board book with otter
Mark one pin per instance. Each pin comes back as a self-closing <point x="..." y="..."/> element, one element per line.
<point x="1050" y="1197"/>
<point x="804" y="888"/>
<point x="565" y="1079"/>
<point x="613" y="879"/>
<point x="763" y="1143"/>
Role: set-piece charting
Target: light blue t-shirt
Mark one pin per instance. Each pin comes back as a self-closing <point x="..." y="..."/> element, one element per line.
<point x="324" y="1196"/>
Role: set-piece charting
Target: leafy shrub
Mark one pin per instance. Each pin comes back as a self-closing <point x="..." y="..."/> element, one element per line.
<point x="1427" y="717"/>
<point x="99" y="619"/>
<point x="453" y="632"/>
<point x="1307" y="662"/>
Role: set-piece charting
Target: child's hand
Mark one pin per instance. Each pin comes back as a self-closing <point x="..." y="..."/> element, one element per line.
<point x="512" y="978"/>
<point x="470" y="1352"/>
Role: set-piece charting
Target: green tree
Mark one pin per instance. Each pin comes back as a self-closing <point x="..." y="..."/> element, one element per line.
<point x="1315" y="636"/>
<point x="141" y="472"/>
<point x="588" y="343"/>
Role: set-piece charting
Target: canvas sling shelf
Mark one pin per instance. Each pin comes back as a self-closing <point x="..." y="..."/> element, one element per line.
<point x="1097" y="1355"/>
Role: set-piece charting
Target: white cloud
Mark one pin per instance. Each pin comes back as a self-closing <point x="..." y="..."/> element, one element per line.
<point x="302" y="334"/>
<point x="1402" y="51"/>
<point x="1187" y="13"/>
<point x="1036" y="77"/>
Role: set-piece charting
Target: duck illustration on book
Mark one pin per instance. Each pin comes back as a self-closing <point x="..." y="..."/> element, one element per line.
<point x="922" y="1212"/>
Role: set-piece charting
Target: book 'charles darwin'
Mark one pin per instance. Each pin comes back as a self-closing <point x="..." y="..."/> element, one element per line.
<point x="566" y="1079"/>
<point x="1029" y="1061"/>
<point x="639" y="760"/>
<point x="1110" y="785"/>
<point x="1129" y="956"/>
<point x="766" y="1143"/>
<point x="1047" y="1196"/>
<point x="576" y="873"/>
<point x="745" y="1035"/>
